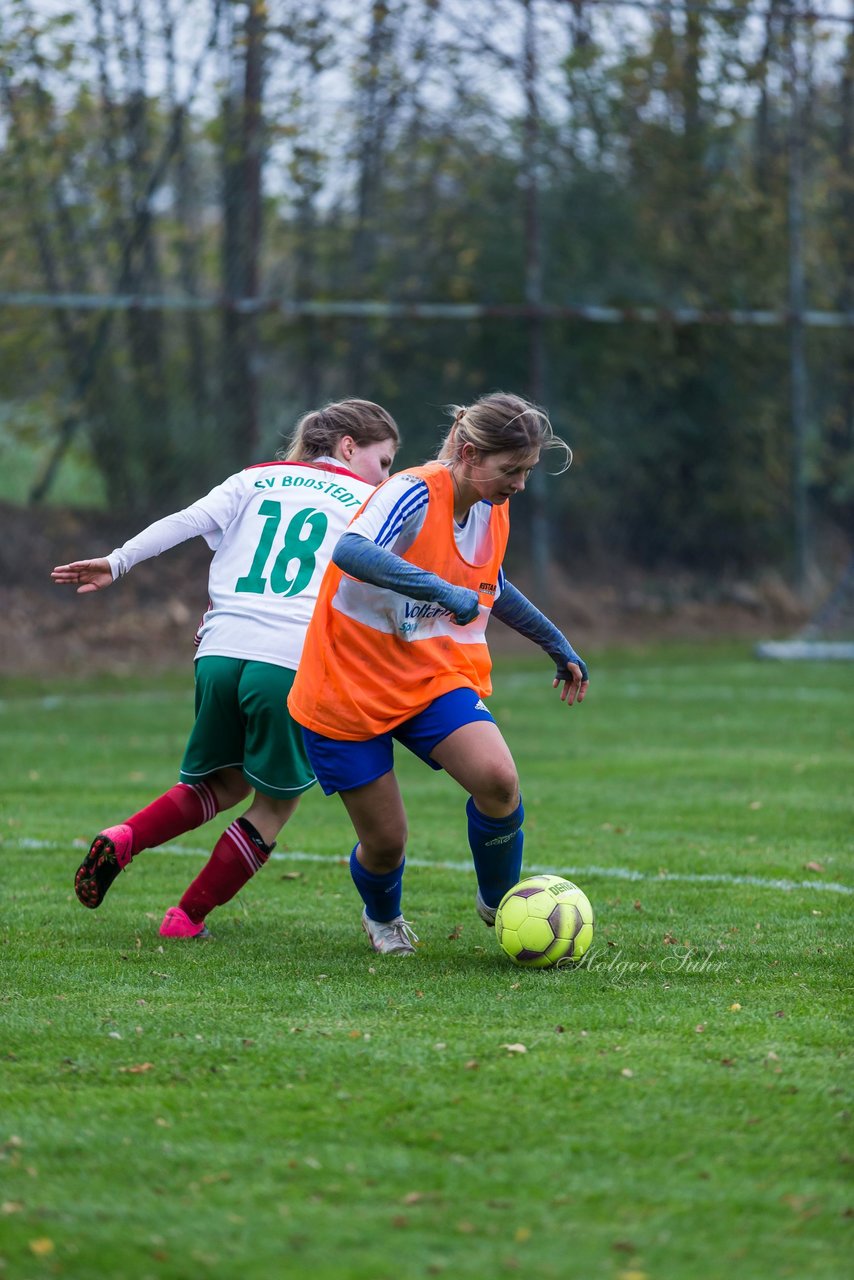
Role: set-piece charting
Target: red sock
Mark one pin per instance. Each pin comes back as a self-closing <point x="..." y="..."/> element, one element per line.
<point x="238" y="854"/>
<point x="180" y="809"/>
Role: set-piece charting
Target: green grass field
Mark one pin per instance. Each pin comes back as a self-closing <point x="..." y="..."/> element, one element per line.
<point x="280" y="1101"/>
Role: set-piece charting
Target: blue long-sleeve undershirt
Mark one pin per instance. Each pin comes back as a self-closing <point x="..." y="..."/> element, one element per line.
<point x="363" y="559"/>
<point x="516" y="611"/>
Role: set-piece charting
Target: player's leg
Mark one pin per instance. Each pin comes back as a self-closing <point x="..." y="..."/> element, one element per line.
<point x="362" y="773"/>
<point x="377" y="861"/>
<point x="276" y="763"/>
<point x="209" y="782"/>
<point x="477" y="756"/>
<point x="240" y="852"/>
<point x="458" y="734"/>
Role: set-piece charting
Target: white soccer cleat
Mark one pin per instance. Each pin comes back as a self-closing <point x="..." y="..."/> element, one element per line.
<point x="390" y="937"/>
<point x="487" y="914"/>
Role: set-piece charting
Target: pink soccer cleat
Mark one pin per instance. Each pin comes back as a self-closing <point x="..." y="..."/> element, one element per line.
<point x="177" y="924"/>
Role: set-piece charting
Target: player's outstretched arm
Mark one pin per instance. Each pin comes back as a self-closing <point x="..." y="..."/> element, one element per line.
<point x="204" y="518"/>
<point x="86" y="575"/>
<point x="516" y="611"/>
<point x="363" y="559"/>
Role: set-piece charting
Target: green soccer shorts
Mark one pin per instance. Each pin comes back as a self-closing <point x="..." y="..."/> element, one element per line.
<point x="243" y="722"/>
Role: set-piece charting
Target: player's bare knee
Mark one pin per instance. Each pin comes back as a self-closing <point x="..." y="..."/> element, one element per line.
<point x="499" y="794"/>
<point x="230" y="787"/>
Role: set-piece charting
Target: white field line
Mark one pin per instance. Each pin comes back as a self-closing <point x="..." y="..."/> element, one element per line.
<point x="605" y="873"/>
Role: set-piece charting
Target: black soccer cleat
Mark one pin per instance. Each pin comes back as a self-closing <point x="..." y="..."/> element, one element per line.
<point x="109" y="853"/>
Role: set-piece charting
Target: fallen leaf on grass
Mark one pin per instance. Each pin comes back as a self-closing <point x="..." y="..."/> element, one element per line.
<point x="472" y="1064"/>
<point x="814" y="866"/>
<point x="412" y="1197"/>
<point x="735" y="1008"/>
<point x="138" y="1069"/>
<point x="801" y="1205"/>
<point x="670" y="939"/>
<point x="515" y="1048"/>
<point x="521" y="1234"/>
<point x="11" y="1206"/>
<point x="627" y="1072"/>
<point x="42" y="1246"/>
<point x="455" y="933"/>
<point x="291" y="875"/>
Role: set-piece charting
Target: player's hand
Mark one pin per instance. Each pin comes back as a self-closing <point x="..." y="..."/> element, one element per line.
<point x="575" y="681"/>
<point x="464" y="605"/>
<point x="86" y="575"/>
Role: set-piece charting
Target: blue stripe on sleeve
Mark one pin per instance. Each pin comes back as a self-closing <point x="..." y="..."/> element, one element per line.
<point x="407" y="505"/>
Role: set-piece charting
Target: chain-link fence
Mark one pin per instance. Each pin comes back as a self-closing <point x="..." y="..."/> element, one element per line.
<point x="220" y="215"/>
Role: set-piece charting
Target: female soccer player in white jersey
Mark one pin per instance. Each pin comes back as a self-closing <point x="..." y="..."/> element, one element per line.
<point x="272" y="529"/>
<point x="397" y="650"/>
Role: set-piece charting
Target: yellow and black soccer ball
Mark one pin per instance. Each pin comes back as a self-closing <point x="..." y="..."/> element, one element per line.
<point x="544" y="921"/>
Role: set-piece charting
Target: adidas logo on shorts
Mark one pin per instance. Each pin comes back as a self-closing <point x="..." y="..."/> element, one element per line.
<point x="480" y="705"/>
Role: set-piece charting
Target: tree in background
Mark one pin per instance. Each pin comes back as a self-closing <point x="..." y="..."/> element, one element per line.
<point x="501" y="152"/>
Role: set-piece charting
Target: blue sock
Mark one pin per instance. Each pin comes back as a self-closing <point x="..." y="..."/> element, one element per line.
<point x="496" y="846"/>
<point x="380" y="894"/>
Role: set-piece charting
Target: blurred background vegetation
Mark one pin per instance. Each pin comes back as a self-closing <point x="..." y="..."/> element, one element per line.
<point x="220" y="213"/>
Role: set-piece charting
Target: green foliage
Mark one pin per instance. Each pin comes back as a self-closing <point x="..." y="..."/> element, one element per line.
<point x="280" y="1101"/>
<point x="396" y="162"/>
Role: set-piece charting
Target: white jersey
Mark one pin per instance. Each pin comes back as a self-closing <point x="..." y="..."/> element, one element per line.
<point x="272" y="529"/>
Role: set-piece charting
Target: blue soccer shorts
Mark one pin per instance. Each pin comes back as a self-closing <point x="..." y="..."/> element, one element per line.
<point x="341" y="766"/>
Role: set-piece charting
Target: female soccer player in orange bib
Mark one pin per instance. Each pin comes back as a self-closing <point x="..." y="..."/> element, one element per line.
<point x="396" y="649"/>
